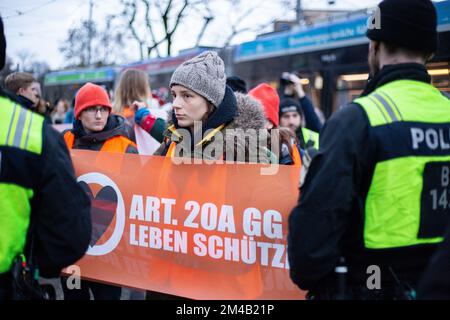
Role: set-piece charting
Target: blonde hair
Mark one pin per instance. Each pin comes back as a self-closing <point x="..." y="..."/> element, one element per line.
<point x="133" y="86"/>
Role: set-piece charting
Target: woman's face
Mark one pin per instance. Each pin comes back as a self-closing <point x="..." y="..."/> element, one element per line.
<point x="188" y="106"/>
<point x="94" y="118"/>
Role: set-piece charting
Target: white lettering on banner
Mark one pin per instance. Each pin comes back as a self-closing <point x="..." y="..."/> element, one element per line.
<point x="209" y="217"/>
<point x="271" y="222"/>
<point x="433" y="138"/>
<point x="155" y="238"/>
<point x="226" y="220"/>
<point x="246" y="250"/>
<point x="152" y="211"/>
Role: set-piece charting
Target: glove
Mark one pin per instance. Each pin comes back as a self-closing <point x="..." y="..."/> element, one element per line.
<point x="145" y="119"/>
<point x="140" y="115"/>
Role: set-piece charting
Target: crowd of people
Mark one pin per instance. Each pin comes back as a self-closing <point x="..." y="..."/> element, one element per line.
<point x="367" y="174"/>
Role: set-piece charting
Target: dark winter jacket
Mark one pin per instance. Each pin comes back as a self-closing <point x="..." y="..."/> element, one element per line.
<point x="237" y="111"/>
<point x="435" y="284"/>
<point x="328" y="222"/>
<point x="60" y="209"/>
<point x="94" y="141"/>
<point x="27" y="103"/>
<point x="312" y="121"/>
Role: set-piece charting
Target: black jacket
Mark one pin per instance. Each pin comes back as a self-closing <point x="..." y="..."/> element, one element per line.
<point x="435" y="284"/>
<point x="94" y="141"/>
<point x="328" y="222"/>
<point x="60" y="209"/>
<point x="28" y="104"/>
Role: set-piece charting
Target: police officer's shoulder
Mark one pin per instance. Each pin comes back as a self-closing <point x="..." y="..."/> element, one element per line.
<point x="15" y="100"/>
<point x="350" y="115"/>
<point x="9" y="95"/>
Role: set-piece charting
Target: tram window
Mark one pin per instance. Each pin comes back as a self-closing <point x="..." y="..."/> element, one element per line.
<point x="312" y="89"/>
<point x="440" y="78"/>
<point x="349" y="87"/>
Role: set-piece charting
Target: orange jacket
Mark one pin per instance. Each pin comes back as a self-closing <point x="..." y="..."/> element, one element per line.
<point x="115" y="144"/>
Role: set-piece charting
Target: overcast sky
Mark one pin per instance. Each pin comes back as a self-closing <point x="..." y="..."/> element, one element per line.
<point x="39" y="26"/>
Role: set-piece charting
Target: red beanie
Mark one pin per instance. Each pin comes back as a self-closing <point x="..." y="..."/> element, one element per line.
<point x="90" y="95"/>
<point x="269" y="99"/>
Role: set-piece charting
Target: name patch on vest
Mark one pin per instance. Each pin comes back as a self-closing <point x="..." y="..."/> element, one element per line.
<point x="432" y="138"/>
<point x="435" y="200"/>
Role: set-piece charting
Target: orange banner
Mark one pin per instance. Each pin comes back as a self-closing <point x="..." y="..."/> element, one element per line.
<point x="197" y="231"/>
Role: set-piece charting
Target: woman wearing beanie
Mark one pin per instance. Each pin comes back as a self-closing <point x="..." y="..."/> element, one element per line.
<point x="95" y="128"/>
<point x="268" y="97"/>
<point x="132" y="93"/>
<point x="200" y="94"/>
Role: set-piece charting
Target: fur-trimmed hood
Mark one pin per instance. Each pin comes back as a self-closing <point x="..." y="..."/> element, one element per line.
<point x="250" y="114"/>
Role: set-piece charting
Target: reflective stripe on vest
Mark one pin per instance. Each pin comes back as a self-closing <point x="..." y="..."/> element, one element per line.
<point x="117" y="144"/>
<point x="21" y="129"/>
<point x="408" y="202"/>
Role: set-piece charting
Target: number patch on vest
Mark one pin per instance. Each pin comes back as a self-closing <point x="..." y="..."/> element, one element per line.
<point x="435" y="200"/>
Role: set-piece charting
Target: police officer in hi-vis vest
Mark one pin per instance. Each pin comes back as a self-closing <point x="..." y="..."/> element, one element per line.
<point x="44" y="214"/>
<point x="375" y="202"/>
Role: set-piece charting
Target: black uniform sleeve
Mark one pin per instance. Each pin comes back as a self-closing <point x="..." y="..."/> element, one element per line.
<point x="312" y="120"/>
<point x="62" y="212"/>
<point x="318" y="222"/>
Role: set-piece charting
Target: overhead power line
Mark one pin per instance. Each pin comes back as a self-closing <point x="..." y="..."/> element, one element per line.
<point x="20" y="13"/>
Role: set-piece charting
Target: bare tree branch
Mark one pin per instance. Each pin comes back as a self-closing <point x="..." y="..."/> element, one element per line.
<point x="235" y="30"/>
<point x="179" y="17"/>
<point x="168" y="15"/>
<point x="165" y="18"/>
<point x="132" y="5"/>
<point x="202" y="32"/>
<point x="207" y="19"/>
<point x="150" y="29"/>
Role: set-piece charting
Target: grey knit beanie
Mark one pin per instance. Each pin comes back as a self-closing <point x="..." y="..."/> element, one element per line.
<point x="203" y="74"/>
